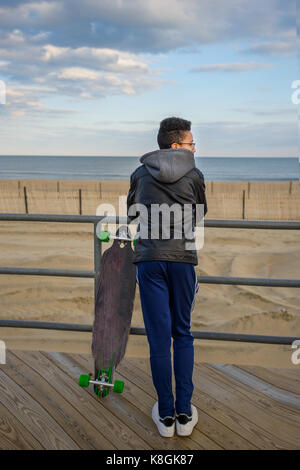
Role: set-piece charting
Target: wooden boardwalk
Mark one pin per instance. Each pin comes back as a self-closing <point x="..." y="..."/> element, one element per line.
<point x="42" y="407"/>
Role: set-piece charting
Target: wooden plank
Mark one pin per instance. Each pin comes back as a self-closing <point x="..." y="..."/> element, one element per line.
<point x="286" y="379"/>
<point x="33" y="416"/>
<point x="259" y="411"/>
<point x="117" y="405"/>
<point x="285" y="413"/>
<point x="13" y="435"/>
<point x="134" y="407"/>
<point x="223" y="402"/>
<point x="140" y="391"/>
<point x="74" y="424"/>
<point x="215" y="403"/>
<point x="137" y="410"/>
<point x="216" y="434"/>
<point x="282" y="396"/>
<point x="116" y="431"/>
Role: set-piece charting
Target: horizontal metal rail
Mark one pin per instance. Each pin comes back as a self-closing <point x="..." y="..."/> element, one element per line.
<point x="249" y="281"/>
<point x="81" y="219"/>
<point x="255" y="224"/>
<point x="46" y="272"/>
<point x="243" y="281"/>
<point x="252" y="224"/>
<point x="247" y="224"/>
<point x="213" y="336"/>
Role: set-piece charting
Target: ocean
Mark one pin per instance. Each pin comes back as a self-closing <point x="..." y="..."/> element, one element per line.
<point x="114" y="168"/>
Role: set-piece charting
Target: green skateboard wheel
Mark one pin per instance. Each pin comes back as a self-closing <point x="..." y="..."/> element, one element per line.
<point x="104" y="236"/>
<point x="84" y="380"/>
<point x="118" y="386"/>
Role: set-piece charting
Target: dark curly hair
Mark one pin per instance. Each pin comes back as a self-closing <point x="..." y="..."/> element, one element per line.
<point x="172" y="130"/>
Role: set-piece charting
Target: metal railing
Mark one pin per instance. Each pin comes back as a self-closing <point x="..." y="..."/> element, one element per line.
<point x="95" y="220"/>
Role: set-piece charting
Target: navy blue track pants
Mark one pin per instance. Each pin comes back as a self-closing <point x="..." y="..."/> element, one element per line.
<point x="167" y="291"/>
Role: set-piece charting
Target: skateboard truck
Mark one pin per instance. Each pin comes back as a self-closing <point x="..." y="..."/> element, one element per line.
<point x="105" y="236"/>
<point x="85" y="381"/>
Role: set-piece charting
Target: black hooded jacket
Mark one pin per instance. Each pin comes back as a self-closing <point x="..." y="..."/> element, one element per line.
<point x="166" y="177"/>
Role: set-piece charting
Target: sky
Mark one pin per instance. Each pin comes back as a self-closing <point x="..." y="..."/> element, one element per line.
<point x="96" y="77"/>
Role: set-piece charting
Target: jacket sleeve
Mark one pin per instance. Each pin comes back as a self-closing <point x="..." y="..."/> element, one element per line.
<point x="200" y="191"/>
<point x="131" y="195"/>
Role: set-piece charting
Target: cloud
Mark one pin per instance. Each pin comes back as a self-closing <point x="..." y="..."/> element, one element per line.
<point x="83" y="72"/>
<point x="278" y="48"/>
<point x="233" y="67"/>
<point x="152" y="26"/>
<point x="94" y="48"/>
<point x="216" y="138"/>
<point x="235" y="138"/>
<point x="107" y="59"/>
<point x="89" y="49"/>
<point x="16" y="45"/>
<point x="78" y="73"/>
<point x="268" y="112"/>
<point x="30" y="14"/>
<point x="27" y="101"/>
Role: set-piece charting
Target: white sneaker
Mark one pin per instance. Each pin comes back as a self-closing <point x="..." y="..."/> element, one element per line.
<point x="186" y="423"/>
<point x="166" y="426"/>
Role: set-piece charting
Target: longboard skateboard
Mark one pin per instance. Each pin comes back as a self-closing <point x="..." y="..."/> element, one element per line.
<point x="113" y="312"/>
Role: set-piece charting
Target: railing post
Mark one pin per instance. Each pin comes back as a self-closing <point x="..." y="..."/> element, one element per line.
<point x="80" y="202"/>
<point x="25" y="200"/>
<point x="97" y="261"/>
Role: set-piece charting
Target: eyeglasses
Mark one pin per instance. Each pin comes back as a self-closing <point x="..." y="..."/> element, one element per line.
<point x="193" y="144"/>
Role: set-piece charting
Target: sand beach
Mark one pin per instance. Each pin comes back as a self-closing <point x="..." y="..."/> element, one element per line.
<point x="226" y="252"/>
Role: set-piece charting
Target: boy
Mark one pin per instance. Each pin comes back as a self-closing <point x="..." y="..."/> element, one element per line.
<point x="166" y="275"/>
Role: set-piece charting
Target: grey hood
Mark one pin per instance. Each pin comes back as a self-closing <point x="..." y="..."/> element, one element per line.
<point x="168" y="165"/>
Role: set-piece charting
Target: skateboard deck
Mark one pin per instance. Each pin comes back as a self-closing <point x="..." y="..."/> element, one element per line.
<point x="113" y="309"/>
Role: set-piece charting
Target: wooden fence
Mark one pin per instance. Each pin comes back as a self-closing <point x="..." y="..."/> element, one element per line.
<point x="226" y="200"/>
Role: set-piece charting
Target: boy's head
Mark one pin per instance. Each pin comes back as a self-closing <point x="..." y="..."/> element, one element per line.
<point x="175" y="133"/>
